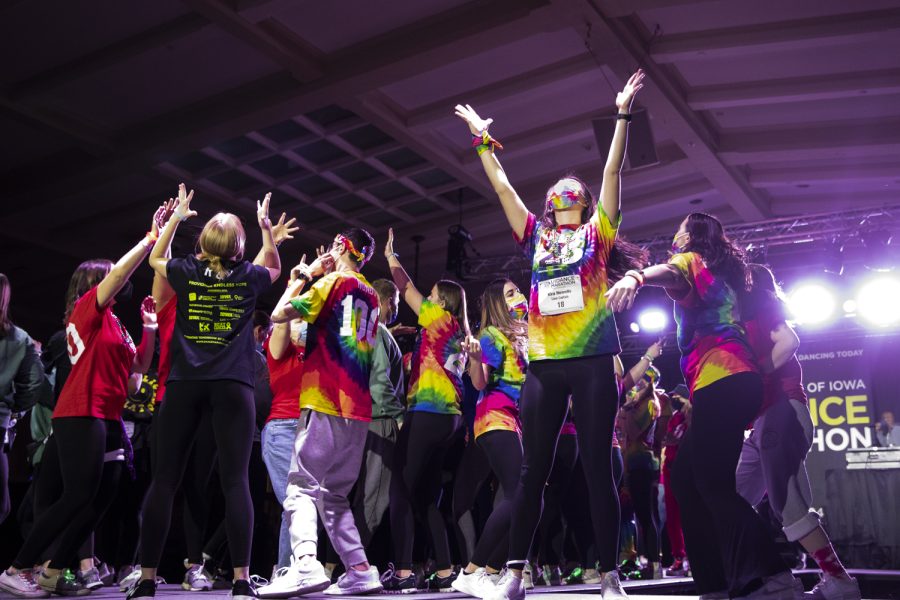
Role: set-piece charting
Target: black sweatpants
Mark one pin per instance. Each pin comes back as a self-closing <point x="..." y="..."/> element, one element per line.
<point x="421" y="448"/>
<point x="728" y="544"/>
<point x="75" y="473"/>
<point x="230" y="403"/>
<point x="591" y="382"/>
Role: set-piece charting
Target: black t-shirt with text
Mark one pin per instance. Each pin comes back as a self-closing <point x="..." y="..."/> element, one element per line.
<point x="213" y="337"/>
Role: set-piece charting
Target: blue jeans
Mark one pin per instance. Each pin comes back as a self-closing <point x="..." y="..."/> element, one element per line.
<point x="277" y="448"/>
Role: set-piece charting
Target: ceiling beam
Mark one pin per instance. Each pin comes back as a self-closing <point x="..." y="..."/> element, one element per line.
<point x="790" y="176"/>
<point x="624" y="50"/>
<point x="87" y="136"/>
<point x="796" y="89"/>
<point x="783" y="36"/>
<point x="622" y="8"/>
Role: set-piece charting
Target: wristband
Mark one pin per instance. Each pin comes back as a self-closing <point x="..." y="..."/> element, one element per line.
<point x="484" y="142"/>
<point x="623" y="117"/>
<point x="648" y="358"/>
<point x="152" y="326"/>
<point x="304" y="277"/>
<point x="394" y="254"/>
<point x="150" y="240"/>
<point x="637" y="276"/>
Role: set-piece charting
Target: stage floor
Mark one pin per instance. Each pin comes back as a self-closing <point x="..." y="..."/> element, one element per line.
<point x="875" y="585"/>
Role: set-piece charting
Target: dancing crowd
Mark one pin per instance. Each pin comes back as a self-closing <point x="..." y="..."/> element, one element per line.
<point x="355" y="433"/>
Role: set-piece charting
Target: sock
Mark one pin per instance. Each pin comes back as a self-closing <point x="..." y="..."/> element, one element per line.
<point x="829" y="562"/>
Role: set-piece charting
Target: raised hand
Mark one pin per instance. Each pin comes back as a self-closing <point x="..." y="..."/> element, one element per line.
<point x="262" y="212"/>
<point x="389" y="244"/>
<point x="476" y="124"/>
<point x="282" y="230"/>
<point x="632" y="86"/>
<point x="182" y="209"/>
<point x="621" y="296"/>
<point x="148" y="311"/>
<point x="161" y="216"/>
<point x="323" y="265"/>
<point x="301" y="268"/>
<point x="655" y="349"/>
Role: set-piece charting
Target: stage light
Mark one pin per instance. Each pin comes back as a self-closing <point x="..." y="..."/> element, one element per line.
<point x="811" y="303"/>
<point x="850" y="306"/>
<point x="878" y="303"/>
<point x="653" y="320"/>
<point x="634" y="327"/>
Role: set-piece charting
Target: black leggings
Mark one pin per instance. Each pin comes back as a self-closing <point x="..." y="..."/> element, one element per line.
<point x="728" y="544"/>
<point x="194" y="483"/>
<point x="591" y="382"/>
<point x="551" y="529"/>
<point x="644" y="487"/>
<point x="471" y="474"/>
<point x="504" y="454"/>
<point x="421" y="448"/>
<point x="73" y="471"/>
<point x="231" y="406"/>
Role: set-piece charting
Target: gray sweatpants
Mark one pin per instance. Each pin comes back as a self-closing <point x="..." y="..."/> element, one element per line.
<point x="372" y="494"/>
<point x="773" y="461"/>
<point x="328" y="452"/>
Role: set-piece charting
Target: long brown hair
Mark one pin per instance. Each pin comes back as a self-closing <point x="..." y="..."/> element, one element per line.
<point x="454" y="297"/>
<point x="5" y="293"/>
<point x="722" y="256"/>
<point x="222" y="239"/>
<point x="495" y="312"/>
<point x="623" y="257"/>
<point x="88" y="275"/>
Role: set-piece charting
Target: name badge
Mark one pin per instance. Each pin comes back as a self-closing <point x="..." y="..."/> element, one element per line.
<point x="560" y="295"/>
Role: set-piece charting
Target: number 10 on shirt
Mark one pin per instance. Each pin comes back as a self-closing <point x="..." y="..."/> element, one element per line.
<point x="367" y="323"/>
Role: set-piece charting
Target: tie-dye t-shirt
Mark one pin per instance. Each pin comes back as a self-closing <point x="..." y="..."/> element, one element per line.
<point x="579" y="254"/>
<point x="498" y="405"/>
<point x="639" y="426"/>
<point x="342" y="311"/>
<point x="710" y="336"/>
<point x="435" y="384"/>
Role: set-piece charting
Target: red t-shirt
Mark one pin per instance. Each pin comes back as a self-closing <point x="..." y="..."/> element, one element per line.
<point x="785" y="383"/>
<point x="284" y="379"/>
<point x="165" y="318"/>
<point x="101" y="352"/>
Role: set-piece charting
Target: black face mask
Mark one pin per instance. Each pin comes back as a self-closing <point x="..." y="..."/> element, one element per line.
<point x="677" y="404"/>
<point x="124" y="294"/>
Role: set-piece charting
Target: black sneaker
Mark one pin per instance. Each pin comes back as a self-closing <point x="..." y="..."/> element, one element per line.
<point x="398" y="585"/>
<point x="144" y="589"/>
<point x="65" y="583"/>
<point x="243" y="590"/>
<point x="436" y="583"/>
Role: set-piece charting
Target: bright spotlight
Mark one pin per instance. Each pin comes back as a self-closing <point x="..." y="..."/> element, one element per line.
<point x="653" y="320"/>
<point x="811" y="303"/>
<point x="878" y="303"/>
<point x="634" y="327"/>
<point x="850" y="306"/>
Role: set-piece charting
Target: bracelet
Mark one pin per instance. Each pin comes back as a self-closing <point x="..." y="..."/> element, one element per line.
<point x="637" y="276"/>
<point x="648" y="358"/>
<point x="394" y="254"/>
<point x="484" y="142"/>
<point x="623" y="117"/>
<point x="150" y="240"/>
<point x="304" y="277"/>
<point x="151" y="326"/>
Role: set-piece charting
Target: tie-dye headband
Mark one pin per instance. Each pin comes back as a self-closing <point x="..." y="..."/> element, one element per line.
<point x="360" y="257"/>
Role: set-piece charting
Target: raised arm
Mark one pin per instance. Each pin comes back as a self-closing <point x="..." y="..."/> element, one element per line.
<point x="161" y="251"/>
<point x="301" y="276"/>
<point x="281" y="231"/>
<point x="638" y="370"/>
<point x="610" y="190"/>
<point x="122" y="270"/>
<point x="621" y="296"/>
<point x="408" y="291"/>
<point x="479" y="372"/>
<point x="144" y="355"/>
<point x="161" y="291"/>
<point x="280" y="340"/>
<point x="271" y="261"/>
<point x="513" y="207"/>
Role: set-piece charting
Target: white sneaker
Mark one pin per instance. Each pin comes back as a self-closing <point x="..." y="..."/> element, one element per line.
<point x="21" y="584"/>
<point x="509" y="587"/>
<point x="476" y="584"/>
<point x="129" y="579"/>
<point x="778" y="587"/>
<point x="303" y="576"/>
<point x="527" y="579"/>
<point x="355" y="582"/>
<point x="834" y="588"/>
<point x="610" y="586"/>
<point x="591" y="576"/>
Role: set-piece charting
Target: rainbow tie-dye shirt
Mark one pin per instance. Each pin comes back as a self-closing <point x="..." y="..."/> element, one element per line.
<point x="710" y="336"/>
<point x="342" y="311"/>
<point x="435" y="384"/>
<point x="571" y="251"/>
<point x="498" y="404"/>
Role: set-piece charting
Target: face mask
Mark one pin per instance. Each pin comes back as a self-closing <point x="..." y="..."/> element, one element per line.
<point x="518" y="306"/>
<point x="676" y="249"/>
<point x="564" y="197"/>
<point x="124" y="294"/>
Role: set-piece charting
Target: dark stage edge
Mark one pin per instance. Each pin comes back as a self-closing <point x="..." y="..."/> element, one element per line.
<point x="883" y="585"/>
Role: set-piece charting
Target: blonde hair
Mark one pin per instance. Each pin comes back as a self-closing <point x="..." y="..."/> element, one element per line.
<point x="222" y="238"/>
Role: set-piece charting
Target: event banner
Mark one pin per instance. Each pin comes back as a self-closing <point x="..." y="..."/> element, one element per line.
<point x="837" y="375"/>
